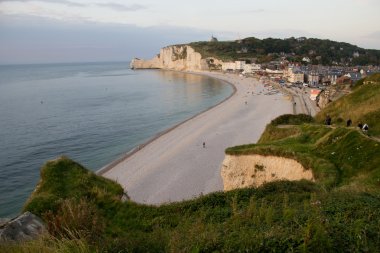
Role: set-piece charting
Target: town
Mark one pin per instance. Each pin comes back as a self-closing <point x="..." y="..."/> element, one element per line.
<point x="318" y="84"/>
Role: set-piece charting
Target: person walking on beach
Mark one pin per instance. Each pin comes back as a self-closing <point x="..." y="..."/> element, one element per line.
<point x="349" y="122"/>
<point x="204" y="144"/>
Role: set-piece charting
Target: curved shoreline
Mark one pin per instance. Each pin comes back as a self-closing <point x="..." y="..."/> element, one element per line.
<point x="139" y="147"/>
<point x="177" y="166"/>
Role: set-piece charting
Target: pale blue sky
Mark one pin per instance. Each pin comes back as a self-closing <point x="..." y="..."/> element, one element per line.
<point x="106" y="30"/>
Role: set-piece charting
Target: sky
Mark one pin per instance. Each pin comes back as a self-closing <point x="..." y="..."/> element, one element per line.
<point x="46" y="31"/>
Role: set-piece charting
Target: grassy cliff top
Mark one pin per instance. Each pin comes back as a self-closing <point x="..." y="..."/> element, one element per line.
<point x="339" y="157"/>
<point x="63" y="179"/>
<point x="280" y="216"/>
<point x="362" y="105"/>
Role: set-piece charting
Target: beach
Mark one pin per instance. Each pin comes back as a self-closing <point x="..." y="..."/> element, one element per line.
<point x="177" y="166"/>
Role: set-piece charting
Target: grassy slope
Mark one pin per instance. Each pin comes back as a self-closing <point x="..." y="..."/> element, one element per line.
<point x="362" y="105"/>
<point x="281" y="216"/>
<point x="339" y="157"/>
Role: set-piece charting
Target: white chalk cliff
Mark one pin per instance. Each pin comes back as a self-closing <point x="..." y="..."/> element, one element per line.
<point x="254" y="170"/>
<point x="183" y="58"/>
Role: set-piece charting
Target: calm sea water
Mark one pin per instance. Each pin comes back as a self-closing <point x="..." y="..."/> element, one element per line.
<point x="90" y="112"/>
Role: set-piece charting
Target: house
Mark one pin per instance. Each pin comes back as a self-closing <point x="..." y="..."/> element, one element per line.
<point x="354" y="76"/>
<point x="228" y="66"/>
<point x="306" y="59"/>
<point x="356" y="54"/>
<point x="332" y="76"/>
<point x="233" y="66"/>
<point x="295" y="76"/>
<point x="343" y="80"/>
<point x="300" y="39"/>
<point x="252" y="68"/>
<point x="314" y="94"/>
<point x="239" y="65"/>
<point x="278" y="73"/>
<point x="243" y="50"/>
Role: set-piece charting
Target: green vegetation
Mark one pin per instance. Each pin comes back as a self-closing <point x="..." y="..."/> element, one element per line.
<point x="281" y="216"/>
<point x="339" y="157"/>
<point x="336" y="213"/>
<point x="362" y="105"/>
<point x="64" y="179"/>
<point x="324" y="52"/>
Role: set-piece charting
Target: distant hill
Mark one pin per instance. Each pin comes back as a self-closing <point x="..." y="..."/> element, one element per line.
<point x="319" y="51"/>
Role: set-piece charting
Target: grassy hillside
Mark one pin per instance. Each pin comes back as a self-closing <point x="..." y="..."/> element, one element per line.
<point x="278" y="217"/>
<point x="362" y="105"/>
<point x="269" y="49"/>
<point x="340" y="157"/>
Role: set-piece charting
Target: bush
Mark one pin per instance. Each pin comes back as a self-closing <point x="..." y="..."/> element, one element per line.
<point x="291" y="119"/>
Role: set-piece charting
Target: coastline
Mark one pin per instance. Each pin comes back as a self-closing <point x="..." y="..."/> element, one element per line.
<point x="112" y="164"/>
<point x="173" y="166"/>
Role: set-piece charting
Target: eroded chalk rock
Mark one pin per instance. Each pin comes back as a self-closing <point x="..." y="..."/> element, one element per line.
<point x="254" y="170"/>
<point x="27" y="226"/>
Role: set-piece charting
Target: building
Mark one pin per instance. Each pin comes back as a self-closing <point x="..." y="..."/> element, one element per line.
<point x="300" y="39"/>
<point x="233" y="66"/>
<point x="306" y="59"/>
<point x="314" y="94"/>
<point x="213" y="39"/>
<point x="228" y="66"/>
<point x="313" y="79"/>
<point x="354" y="76"/>
<point x="343" y="80"/>
<point x="252" y="68"/>
<point x="295" y="76"/>
<point x="239" y="65"/>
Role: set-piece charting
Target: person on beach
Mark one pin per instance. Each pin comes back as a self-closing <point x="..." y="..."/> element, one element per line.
<point x="349" y="122"/>
<point x="204" y="144"/>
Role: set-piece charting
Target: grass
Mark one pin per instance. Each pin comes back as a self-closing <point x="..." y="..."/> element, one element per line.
<point x="78" y="183"/>
<point x="337" y="156"/>
<point x="280" y="216"/>
<point x="362" y="105"/>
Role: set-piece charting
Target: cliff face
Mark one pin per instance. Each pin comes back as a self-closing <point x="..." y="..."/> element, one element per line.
<point x="255" y="170"/>
<point x="174" y="58"/>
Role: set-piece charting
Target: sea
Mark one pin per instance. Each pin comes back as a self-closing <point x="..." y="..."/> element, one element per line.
<point x="91" y="112"/>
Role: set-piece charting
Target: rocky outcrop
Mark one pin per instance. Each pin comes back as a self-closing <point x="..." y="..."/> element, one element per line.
<point x="323" y="99"/>
<point x="24" y="227"/>
<point x="182" y="58"/>
<point x="254" y="170"/>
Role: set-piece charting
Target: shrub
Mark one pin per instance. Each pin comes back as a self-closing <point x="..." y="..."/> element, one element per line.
<point x="291" y="119"/>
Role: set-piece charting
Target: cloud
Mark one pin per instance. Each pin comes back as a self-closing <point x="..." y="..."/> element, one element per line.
<point x="63" y="2"/>
<point x="121" y="7"/>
